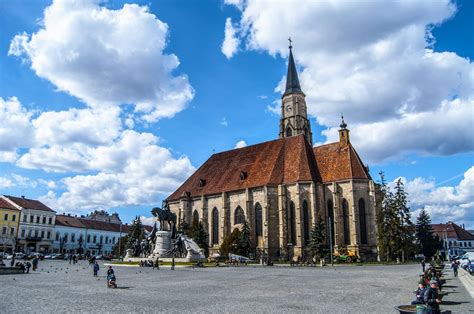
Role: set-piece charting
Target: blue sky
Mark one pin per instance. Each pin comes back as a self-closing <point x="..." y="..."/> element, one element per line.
<point x="404" y="82"/>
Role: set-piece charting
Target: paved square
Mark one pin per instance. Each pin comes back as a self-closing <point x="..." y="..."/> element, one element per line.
<point x="61" y="287"/>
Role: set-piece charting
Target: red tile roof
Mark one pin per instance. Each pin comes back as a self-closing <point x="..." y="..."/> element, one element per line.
<point x="451" y="230"/>
<point x="336" y="162"/>
<point x="79" y="222"/>
<point x="29" y="204"/>
<point x="4" y="204"/>
<point x="281" y="161"/>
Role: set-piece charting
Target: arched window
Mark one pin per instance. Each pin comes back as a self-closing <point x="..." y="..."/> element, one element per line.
<point x="195" y="218"/>
<point x="106" y="239"/>
<point x="362" y="222"/>
<point x="345" y="221"/>
<point x="239" y="216"/>
<point x="258" y="221"/>
<point x="450" y="244"/>
<point x="306" y="222"/>
<point x="215" y="226"/>
<point x="288" y="132"/>
<point x="292" y="223"/>
<point x="331" y="220"/>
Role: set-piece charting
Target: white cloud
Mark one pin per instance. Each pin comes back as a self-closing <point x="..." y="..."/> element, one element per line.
<point x="149" y="221"/>
<point x="444" y="203"/>
<point x="230" y="44"/>
<point x="237" y="3"/>
<point x="240" y="144"/>
<point x="15" y="128"/>
<point x="224" y="122"/>
<point x="133" y="171"/>
<point x="107" y="57"/>
<point x="379" y="71"/>
<point x="5" y="183"/>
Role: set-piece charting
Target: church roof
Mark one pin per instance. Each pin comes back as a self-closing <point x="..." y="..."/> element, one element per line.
<point x="336" y="162"/>
<point x="292" y="81"/>
<point x="282" y="161"/>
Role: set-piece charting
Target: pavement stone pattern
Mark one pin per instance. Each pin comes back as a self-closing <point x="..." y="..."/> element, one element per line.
<point x="60" y="287"/>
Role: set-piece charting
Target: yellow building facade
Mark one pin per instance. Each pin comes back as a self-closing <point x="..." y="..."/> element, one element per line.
<point x="9" y="223"/>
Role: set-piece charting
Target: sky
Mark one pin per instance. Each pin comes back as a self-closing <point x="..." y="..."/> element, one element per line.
<point x="113" y="104"/>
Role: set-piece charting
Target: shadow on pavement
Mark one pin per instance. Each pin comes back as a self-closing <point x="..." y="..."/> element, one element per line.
<point x="452" y="302"/>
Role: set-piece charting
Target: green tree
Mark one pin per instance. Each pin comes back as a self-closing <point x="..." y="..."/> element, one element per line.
<point x="199" y="235"/>
<point x="317" y="247"/>
<point x="120" y="250"/>
<point x="428" y="243"/>
<point x="403" y="226"/>
<point x="244" y="245"/>
<point x="136" y="232"/>
<point x="230" y="243"/>
<point x="184" y="227"/>
<point x="384" y="219"/>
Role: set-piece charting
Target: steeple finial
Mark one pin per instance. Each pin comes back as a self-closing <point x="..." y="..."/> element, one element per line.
<point x="292" y="81"/>
<point x="343" y="124"/>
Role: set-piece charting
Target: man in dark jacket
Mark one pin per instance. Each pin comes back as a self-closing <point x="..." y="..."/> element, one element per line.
<point x="431" y="297"/>
<point x="420" y="292"/>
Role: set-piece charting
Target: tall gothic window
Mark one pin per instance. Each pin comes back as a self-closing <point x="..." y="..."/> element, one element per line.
<point x="215" y="226"/>
<point x="292" y="223"/>
<point x="331" y="219"/>
<point x="239" y="216"/>
<point x="195" y="217"/>
<point x="288" y="132"/>
<point x="306" y="222"/>
<point x="258" y="221"/>
<point x="362" y="222"/>
<point x="345" y="221"/>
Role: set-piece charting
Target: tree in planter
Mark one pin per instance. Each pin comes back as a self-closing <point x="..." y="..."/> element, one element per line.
<point x="427" y="242"/>
<point x="317" y="247"/>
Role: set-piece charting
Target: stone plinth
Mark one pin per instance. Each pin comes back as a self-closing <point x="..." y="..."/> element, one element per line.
<point x="163" y="243"/>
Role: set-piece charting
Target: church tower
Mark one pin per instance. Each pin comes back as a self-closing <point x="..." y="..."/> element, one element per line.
<point x="294" y="115"/>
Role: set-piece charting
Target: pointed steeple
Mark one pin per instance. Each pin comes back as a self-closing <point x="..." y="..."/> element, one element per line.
<point x="292" y="81"/>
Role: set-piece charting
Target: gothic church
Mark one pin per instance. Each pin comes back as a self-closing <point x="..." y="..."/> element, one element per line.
<point x="281" y="186"/>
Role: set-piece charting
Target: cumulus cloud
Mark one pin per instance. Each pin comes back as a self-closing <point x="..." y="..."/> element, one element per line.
<point x="379" y="72"/>
<point x="231" y="42"/>
<point x="5" y="183"/>
<point x="133" y="171"/>
<point x="444" y="203"/>
<point x="15" y="128"/>
<point x="240" y="144"/>
<point x="107" y="57"/>
<point x="149" y="221"/>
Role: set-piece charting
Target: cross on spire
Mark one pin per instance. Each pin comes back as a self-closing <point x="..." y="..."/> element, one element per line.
<point x="343" y="124"/>
<point x="290" y="41"/>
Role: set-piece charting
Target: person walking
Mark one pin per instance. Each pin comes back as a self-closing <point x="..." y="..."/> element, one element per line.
<point x="96" y="269"/>
<point x="431" y="297"/>
<point x="157" y="264"/>
<point x="28" y="266"/>
<point x="70" y="259"/>
<point x="35" y="263"/>
<point x="423" y="265"/>
<point x="455" y="266"/>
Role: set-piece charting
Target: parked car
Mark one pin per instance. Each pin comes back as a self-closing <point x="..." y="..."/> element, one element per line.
<point x="99" y="257"/>
<point x="35" y="254"/>
<point x="470" y="268"/>
<point x="52" y="256"/>
<point x="466" y="258"/>
<point x="18" y="255"/>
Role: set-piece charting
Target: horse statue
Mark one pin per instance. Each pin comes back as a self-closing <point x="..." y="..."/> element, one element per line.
<point x="164" y="214"/>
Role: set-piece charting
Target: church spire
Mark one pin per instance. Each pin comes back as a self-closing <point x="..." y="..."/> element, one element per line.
<point x="292" y="81"/>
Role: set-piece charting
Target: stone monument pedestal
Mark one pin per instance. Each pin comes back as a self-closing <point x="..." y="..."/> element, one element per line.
<point x="162" y="244"/>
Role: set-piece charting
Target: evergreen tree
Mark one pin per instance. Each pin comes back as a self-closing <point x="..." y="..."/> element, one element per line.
<point x="384" y="220"/>
<point x="427" y="242"/>
<point x="404" y="228"/>
<point x="230" y="243"/>
<point x="199" y="235"/>
<point x="120" y="250"/>
<point x="244" y="245"/>
<point x="136" y="232"/>
<point x="317" y="247"/>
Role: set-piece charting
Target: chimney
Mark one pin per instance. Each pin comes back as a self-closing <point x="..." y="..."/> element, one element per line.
<point x="23" y="197"/>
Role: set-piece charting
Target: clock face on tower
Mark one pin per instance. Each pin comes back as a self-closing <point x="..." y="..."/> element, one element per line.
<point x="288" y="108"/>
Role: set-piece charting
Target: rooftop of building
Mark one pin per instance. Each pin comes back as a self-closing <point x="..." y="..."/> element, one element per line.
<point x="452" y="230"/>
<point x="27" y="203"/>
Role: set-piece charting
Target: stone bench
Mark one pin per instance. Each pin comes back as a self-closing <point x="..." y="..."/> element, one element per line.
<point x="5" y="270"/>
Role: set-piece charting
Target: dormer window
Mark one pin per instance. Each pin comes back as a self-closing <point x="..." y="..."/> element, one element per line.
<point x="202" y="183"/>
<point x="243" y="175"/>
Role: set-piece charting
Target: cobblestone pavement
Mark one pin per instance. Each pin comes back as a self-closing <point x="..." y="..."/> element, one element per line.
<point x="60" y="287"/>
